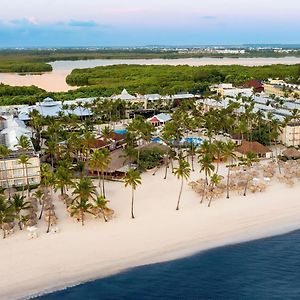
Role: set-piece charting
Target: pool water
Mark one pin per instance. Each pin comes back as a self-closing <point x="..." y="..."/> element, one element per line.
<point x="120" y="131"/>
<point x="196" y="141"/>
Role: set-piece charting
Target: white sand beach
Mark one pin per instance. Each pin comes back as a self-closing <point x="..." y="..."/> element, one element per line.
<point x="158" y="233"/>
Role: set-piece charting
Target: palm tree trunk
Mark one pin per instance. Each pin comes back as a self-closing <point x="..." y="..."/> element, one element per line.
<point x="204" y="185"/>
<point x="210" y="199"/>
<point x="166" y="169"/>
<point x="228" y="178"/>
<point x="27" y="179"/>
<point x="42" y="210"/>
<point x="218" y="162"/>
<point x="104" y="215"/>
<point x="48" y="228"/>
<point x="23" y="188"/>
<point x="193" y="169"/>
<point x="246" y="185"/>
<point x="99" y="178"/>
<point x="132" y="202"/>
<point x="103" y="180"/>
<point x="177" y="207"/>
<point x="82" y="218"/>
<point x="7" y="181"/>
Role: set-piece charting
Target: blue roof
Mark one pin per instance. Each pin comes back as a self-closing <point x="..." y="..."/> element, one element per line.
<point x="51" y="108"/>
<point x="163" y="117"/>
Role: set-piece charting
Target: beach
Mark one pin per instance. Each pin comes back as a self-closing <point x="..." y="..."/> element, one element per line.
<point x="158" y="233"/>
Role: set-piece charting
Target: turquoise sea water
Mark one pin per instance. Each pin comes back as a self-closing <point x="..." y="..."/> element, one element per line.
<point x="262" y="269"/>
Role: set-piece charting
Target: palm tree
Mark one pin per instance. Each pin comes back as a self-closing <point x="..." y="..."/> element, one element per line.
<point x="4" y="153"/>
<point x="17" y="203"/>
<point x="133" y="179"/>
<point x="248" y="162"/>
<point x="182" y="172"/>
<point x="36" y="122"/>
<point x="131" y="154"/>
<point x="206" y="166"/>
<point x="24" y="143"/>
<point x="214" y="180"/>
<point x="101" y="204"/>
<point x="228" y="153"/>
<point x="63" y="179"/>
<point x="99" y="161"/>
<point x="106" y="133"/>
<point x="80" y="207"/>
<point x="53" y="149"/>
<point x="192" y="153"/>
<point x="24" y="161"/>
<point x="295" y="119"/>
<point x="84" y="189"/>
<point x="6" y="214"/>
<point x="38" y="194"/>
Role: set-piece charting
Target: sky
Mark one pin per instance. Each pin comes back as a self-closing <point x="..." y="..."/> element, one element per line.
<point x="65" y="23"/>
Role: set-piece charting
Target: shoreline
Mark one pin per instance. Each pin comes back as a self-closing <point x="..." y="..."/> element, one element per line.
<point x="159" y="233"/>
<point x="55" y="81"/>
<point x="159" y="257"/>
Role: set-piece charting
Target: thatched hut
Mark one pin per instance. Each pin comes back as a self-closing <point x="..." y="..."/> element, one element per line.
<point x="254" y="147"/>
<point x="291" y="153"/>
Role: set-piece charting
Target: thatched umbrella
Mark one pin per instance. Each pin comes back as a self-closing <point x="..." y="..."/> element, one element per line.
<point x="49" y="212"/>
<point x="291" y="153"/>
<point x="31" y="216"/>
<point x="31" y="222"/>
<point x="49" y="206"/>
<point x="46" y="197"/>
<point x="51" y="219"/>
<point x="32" y="209"/>
<point x="63" y="197"/>
<point x="109" y="212"/>
<point x="8" y="226"/>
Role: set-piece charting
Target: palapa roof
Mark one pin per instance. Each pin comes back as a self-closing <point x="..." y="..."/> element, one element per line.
<point x="254" y="147"/>
<point x="291" y="153"/>
<point x="98" y="143"/>
<point x="152" y="145"/>
<point x="118" y="160"/>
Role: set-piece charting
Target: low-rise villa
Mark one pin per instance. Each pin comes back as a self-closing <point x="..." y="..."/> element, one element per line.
<point x="50" y="108"/>
<point x="160" y="119"/>
<point x="260" y="150"/>
<point x="12" y="172"/>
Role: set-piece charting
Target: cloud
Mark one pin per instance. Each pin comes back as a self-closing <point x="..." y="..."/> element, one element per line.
<point x="79" y="23"/>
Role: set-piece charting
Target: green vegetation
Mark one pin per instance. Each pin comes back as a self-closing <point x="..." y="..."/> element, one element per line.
<point x="163" y="79"/>
<point x="171" y="79"/>
<point x="23" y="67"/>
<point x="20" y="61"/>
<point x="150" y="158"/>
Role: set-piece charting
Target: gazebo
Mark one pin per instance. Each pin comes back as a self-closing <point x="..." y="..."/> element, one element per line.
<point x="124" y="96"/>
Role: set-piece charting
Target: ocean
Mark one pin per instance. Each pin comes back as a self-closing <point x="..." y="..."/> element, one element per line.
<point x="263" y="269"/>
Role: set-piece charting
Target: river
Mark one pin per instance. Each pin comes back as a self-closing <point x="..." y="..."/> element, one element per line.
<point x="55" y="81"/>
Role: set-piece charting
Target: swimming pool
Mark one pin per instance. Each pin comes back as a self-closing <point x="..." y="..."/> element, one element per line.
<point x="120" y="131"/>
<point x="196" y="141"/>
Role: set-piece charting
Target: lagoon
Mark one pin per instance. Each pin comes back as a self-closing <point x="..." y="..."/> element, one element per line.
<point x="55" y="81"/>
